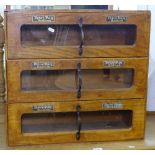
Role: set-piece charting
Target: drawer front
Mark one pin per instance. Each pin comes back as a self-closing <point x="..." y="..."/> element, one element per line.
<point x="102" y="120"/>
<point x="74" y="34"/>
<point x="84" y="79"/>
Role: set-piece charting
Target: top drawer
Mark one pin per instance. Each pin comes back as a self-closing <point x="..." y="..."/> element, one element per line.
<point x="73" y="34"/>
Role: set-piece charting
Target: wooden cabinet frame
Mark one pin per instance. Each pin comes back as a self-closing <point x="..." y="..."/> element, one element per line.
<point x="15" y="19"/>
<point x="105" y="61"/>
<point x="15" y="112"/>
<point x="15" y="67"/>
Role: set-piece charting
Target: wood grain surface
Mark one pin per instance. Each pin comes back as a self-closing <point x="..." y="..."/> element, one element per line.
<point x="15" y="20"/>
<point x="28" y="87"/>
<point x="16" y="94"/>
<point x="16" y="137"/>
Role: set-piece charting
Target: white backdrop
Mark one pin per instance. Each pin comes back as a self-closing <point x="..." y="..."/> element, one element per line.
<point x="151" y="81"/>
<point x="151" y="76"/>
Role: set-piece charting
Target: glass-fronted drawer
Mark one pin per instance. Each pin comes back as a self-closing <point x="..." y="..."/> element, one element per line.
<point x="69" y="35"/>
<point x="76" y="121"/>
<point x="66" y="80"/>
<point x="65" y="122"/>
<point x="85" y="79"/>
<point x="74" y="33"/>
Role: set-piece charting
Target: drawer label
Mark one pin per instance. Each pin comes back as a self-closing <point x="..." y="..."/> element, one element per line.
<point x="113" y="63"/>
<point x="42" y="65"/>
<point x="42" y="108"/>
<point x="43" y="18"/>
<point x="113" y="105"/>
<point x="117" y="19"/>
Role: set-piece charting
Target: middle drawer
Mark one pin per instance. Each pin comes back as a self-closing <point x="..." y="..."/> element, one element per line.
<point x="84" y="79"/>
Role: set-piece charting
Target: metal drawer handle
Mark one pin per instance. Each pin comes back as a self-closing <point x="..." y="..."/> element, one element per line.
<point x="79" y="80"/>
<point x="82" y="36"/>
<point x="78" y="122"/>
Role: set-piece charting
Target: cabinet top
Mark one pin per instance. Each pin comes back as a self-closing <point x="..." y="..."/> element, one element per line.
<point x="80" y="11"/>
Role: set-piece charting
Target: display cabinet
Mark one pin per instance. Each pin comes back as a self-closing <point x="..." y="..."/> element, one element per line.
<point x="85" y="79"/>
<point x="55" y="122"/>
<point x="76" y="75"/>
<point x="75" y="33"/>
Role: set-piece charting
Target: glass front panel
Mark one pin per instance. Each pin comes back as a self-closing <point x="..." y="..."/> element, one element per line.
<point x="106" y="120"/>
<point x="42" y="80"/>
<point x="107" y="78"/>
<point x="70" y="35"/>
<point x="110" y="34"/>
<point x="50" y="35"/>
<point x="63" y="122"/>
<point x="66" y="80"/>
<point x="48" y="122"/>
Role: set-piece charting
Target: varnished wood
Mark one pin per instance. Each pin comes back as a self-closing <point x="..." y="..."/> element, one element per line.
<point x="15" y="67"/>
<point x="20" y="58"/>
<point x="15" y="19"/>
<point x="15" y="112"/>
<point x="147" y="143"/>
<point x="2" y="82"/>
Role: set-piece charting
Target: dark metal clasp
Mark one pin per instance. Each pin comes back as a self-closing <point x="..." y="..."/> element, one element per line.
<point x="79" y="80"/>
<point x="78" y="122"/>
<point x="82" y="36"/>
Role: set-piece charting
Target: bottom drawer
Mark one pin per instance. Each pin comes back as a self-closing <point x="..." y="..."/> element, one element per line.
<point x="60" y="122"/>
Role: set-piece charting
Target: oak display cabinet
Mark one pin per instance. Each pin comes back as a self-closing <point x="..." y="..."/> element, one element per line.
<point x="79" y="121"/>
<point x="76" y="75"/>
<point x="84" y="79"/>
<point x="74" y="34"/>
